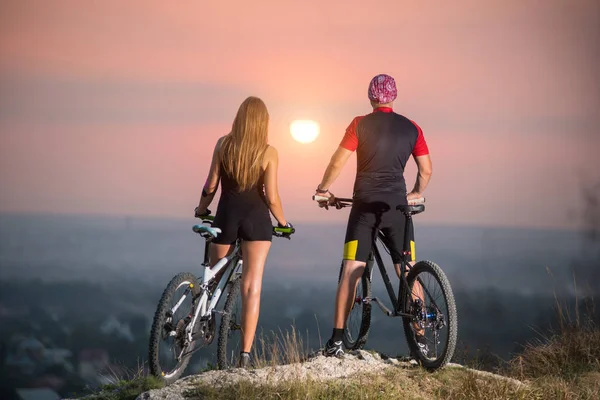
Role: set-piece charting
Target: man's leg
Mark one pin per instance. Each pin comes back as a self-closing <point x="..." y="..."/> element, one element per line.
<point x="416" y="293"/>
<point x="351" y="274"/>
<point x="357" y="246"/>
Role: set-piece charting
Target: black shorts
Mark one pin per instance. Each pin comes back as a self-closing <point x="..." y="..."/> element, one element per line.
<point x="368" y="215"/>
<point x="246" y="224"/>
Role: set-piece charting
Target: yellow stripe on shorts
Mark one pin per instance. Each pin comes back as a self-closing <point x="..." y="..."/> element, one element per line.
<point x="413" y="254"/>
<point x="350" y="249"/>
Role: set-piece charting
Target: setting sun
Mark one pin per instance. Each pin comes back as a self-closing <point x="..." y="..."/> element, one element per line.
<point x="304" y="131"/>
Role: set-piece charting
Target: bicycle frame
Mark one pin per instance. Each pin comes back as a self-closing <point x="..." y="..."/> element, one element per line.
<point x="232" y="264"/>
<point x="204" y="310"/>
<point x="375" y="257"/>
<point x="398" y="311"/>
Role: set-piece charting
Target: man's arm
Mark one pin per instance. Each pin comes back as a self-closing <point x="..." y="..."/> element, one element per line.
<point x="336" y="164"/>
<point x="423" y="176"/>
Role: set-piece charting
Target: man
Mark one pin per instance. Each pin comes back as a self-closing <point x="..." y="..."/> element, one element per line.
<point x="384" y="141"/>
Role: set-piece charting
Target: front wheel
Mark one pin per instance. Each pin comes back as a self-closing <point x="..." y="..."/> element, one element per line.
<point x="431" y="330"/>
<point x="358" y="322"/>
<point x="170" y="350"/>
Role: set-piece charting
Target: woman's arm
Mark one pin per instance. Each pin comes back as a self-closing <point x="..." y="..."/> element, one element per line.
<point x="271" y="190"/>
<point x="212" y="181"/>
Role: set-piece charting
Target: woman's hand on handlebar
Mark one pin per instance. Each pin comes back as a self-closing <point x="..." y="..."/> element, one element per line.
<point x="284" y="231"/>
<point x="287" y="225"/>
<point x="201" y="213"/>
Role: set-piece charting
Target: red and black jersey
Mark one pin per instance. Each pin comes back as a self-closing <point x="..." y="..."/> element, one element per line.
<point x="383" y="141"/>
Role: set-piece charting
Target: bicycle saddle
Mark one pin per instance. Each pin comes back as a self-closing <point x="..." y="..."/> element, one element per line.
<point x="204" y="230"/>
<point x="412" y="209"/>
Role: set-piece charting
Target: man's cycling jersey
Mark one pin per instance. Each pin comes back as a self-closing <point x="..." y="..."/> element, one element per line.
<point x="383" y="141"/>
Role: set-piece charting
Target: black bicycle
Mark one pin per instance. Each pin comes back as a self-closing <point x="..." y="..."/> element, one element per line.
<point x="425" y="301"/>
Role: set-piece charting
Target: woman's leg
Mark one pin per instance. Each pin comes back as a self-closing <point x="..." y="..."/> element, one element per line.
<point x="218" y="251"/>
<point x="255" y="256"/>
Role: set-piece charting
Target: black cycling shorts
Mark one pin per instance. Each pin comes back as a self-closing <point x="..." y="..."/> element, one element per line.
<point x="248" y="225"/>
<point x="369" y="214"/>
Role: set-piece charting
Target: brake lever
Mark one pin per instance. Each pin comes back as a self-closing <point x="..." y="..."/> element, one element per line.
<point x="324" y="204"/>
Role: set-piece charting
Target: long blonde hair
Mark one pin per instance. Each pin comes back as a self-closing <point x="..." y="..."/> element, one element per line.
<point x="243" y="149"/>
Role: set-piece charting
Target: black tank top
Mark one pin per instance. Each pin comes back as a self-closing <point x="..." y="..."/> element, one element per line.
<point x="231" y="196"/>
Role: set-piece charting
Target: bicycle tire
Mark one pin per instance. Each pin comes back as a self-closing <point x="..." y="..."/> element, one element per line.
<point x="361" y="339"/>
<point x="160" y="317"/>
<point x="224" y="329"/>
<point x="452" y="318"/>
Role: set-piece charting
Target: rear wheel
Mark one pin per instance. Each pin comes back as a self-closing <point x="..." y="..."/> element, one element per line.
<point x="170" y="349"/>
<point x="358" y="323"/>
<point x="230" y="333"/>
<point x="432" y="329"/>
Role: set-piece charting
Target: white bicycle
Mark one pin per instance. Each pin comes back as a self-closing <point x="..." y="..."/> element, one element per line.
<point x="185" y="319"/>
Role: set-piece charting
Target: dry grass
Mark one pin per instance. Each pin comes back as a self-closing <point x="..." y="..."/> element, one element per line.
<point x="399" y="383"/>
<point x="568" y="354"/>
<point x="127" y="389"/>
<point x="279" y="348"/>
<point x="126" y="383"/>
<point x="392" y="384"/>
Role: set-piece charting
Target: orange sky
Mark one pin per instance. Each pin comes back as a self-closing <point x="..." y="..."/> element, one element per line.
<point x="114" y="107"/>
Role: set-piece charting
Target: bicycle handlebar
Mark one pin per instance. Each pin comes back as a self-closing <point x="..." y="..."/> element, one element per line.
<point x="340" y="202"/>
<point x="278" y="231"/>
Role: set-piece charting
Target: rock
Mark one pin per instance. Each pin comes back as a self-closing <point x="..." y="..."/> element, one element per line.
<point x="318" y="368"/>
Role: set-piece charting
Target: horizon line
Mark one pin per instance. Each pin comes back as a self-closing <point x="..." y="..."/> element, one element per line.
<point x="428" y="224"/>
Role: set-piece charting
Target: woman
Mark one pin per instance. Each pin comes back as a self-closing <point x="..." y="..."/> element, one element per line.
<point x="245" y="164"/>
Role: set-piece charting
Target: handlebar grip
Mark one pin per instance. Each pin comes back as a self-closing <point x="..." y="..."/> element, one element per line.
<point x="320" y="198"/>
<point x="286" y="229"/>
<point x="413" y="202"/>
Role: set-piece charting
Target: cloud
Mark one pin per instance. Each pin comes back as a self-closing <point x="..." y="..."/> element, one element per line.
<point x="63" y="101"/>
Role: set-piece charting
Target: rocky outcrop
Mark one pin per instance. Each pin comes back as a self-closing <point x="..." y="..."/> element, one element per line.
<point x="316" y="368"/>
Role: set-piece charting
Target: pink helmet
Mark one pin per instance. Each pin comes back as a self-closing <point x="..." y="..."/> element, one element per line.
<point x="382" y="89"/>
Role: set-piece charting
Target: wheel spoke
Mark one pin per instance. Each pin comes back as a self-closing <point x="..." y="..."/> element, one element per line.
<point x="434" y="316"/>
